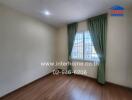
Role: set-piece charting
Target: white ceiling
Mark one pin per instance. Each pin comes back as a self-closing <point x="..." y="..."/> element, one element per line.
<point x="63" y="11"/>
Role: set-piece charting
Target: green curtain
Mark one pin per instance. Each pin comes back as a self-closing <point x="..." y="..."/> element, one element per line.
<point x="97" y="26"/>
<point x="72" y="29"/>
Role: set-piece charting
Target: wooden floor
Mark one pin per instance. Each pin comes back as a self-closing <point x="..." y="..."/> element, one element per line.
<point x="73" y="87"/>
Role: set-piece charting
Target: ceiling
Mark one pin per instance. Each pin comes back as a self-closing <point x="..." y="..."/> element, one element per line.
<point x="63" y="11"/>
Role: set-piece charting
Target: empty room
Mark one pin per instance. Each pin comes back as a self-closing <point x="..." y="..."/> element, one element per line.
<point x="65" y="49"/>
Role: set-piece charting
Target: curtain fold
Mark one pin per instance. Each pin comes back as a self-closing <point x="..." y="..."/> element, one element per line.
<point x="72" y="29"/>
<point x="97" y="26"/>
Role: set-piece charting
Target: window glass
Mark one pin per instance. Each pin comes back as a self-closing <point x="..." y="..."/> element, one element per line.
<point x="83" y="43"/>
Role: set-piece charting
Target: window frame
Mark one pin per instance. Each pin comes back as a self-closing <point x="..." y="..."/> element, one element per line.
<point x="83" y="60"/>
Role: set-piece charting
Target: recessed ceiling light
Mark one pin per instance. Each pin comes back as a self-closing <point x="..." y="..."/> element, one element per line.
<point x="46" y="12"/>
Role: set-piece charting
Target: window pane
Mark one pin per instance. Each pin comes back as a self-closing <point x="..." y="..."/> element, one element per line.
<point x="89" y="50"/>
<point x="90" y="53"/>
<point x="77" y="51"/>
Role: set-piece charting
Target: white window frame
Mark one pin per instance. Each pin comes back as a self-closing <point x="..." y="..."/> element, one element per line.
<point x="83" y="60"/>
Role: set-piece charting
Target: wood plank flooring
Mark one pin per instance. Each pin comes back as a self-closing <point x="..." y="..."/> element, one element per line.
<point x="63" y="87"/>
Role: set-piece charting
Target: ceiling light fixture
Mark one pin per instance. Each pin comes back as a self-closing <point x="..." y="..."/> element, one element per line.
<point x="46" y="12"/>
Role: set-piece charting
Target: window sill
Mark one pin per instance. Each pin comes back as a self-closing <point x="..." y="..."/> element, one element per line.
<point x="79" y="60"/>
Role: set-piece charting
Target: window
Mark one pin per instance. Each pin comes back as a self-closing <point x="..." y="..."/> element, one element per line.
<point x="83" y="48"/>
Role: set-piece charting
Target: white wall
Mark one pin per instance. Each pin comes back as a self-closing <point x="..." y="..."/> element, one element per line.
<point x="119" y="60"/>
<point x="62" y="47"/>
<point x="24" y="43"/>
<point x="129" y="54"/>
<point x="118" y="65"/>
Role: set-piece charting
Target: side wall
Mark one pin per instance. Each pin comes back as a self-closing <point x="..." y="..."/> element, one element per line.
<point x="24" y="43"/>
<point x="118" y="65"/>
